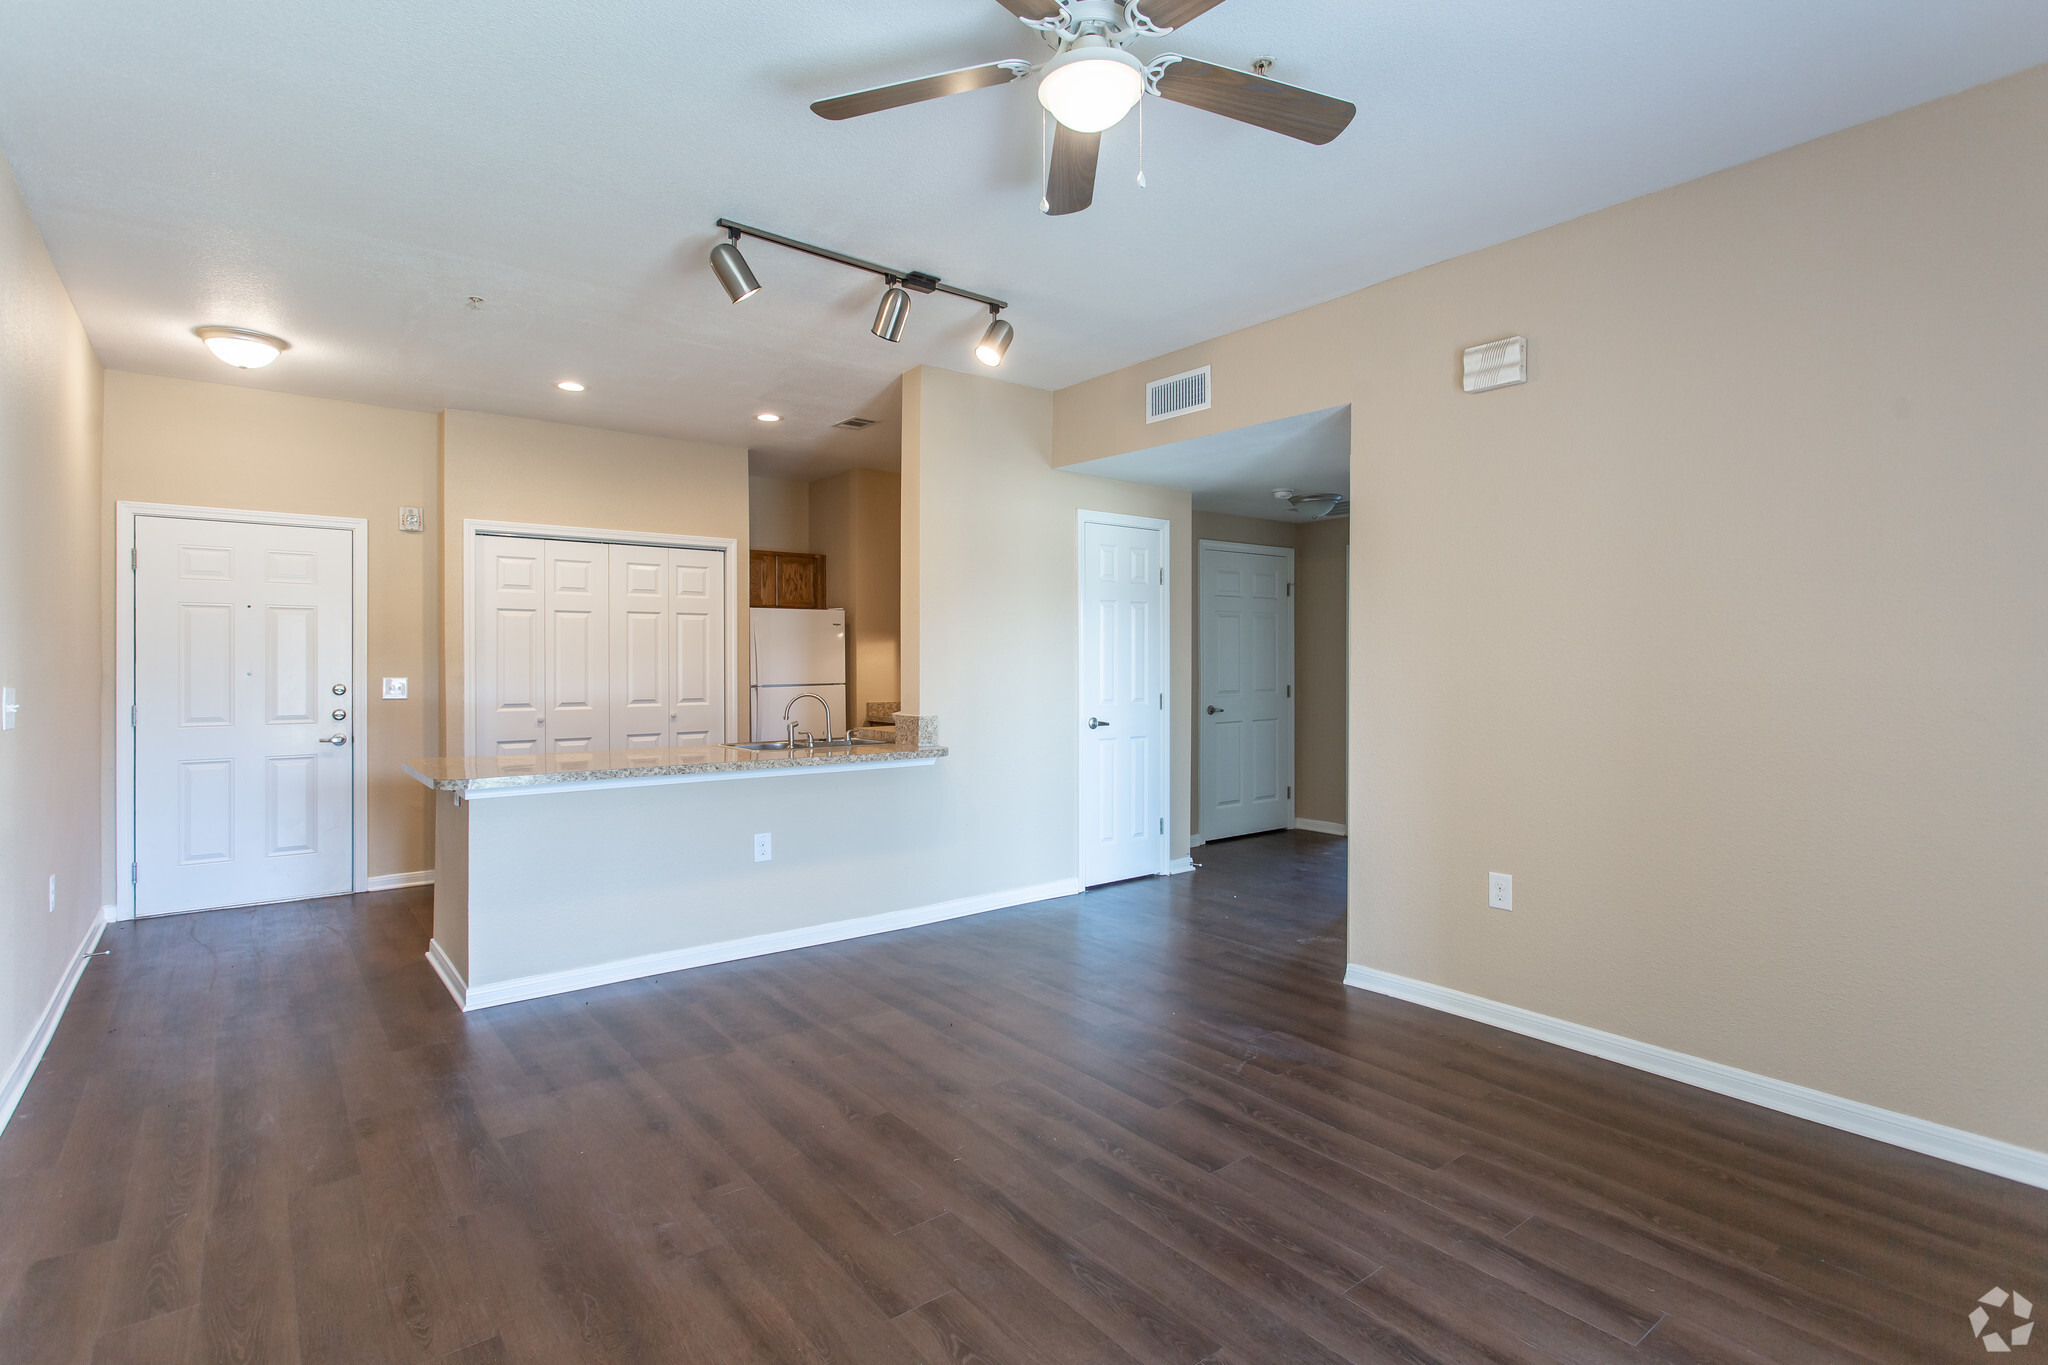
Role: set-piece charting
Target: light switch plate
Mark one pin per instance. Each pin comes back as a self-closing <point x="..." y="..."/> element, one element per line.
<point x="1500" y="891"/>
<point x="764" y="848"/>
<point x="394" y="689"/>
<point x="8" y="708"/>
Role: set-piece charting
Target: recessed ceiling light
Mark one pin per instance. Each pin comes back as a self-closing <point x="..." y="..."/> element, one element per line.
<point x="569" y="386"/>
<point x="767" y="417"/>
<point x="241" y="348"/>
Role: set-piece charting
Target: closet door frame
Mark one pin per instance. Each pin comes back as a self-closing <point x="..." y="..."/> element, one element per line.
<point x="472" y="528"/>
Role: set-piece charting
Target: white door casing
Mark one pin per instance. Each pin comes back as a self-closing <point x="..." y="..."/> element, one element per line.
<point x="583" y="645"/>
<point x="1245" y="708"/>
<point x="1122" y="721"/>
<point x="244" y="651"/>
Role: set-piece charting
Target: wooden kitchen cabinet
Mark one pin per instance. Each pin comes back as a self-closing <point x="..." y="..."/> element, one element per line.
<point x="782" y="578"/>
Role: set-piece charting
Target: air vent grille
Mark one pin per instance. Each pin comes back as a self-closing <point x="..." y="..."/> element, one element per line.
<point x="855" y="423"/>
<point x="1177" y="395"/>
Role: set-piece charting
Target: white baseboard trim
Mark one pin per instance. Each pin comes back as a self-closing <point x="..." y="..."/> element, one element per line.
<point x="1321" y="827"/>
<point x="392" y="881"/>
<point x="31" y="1054"/>
<point x="1974" y="1150"/>
<point x="1180" y="865"/>
<point x="760" y="945"/>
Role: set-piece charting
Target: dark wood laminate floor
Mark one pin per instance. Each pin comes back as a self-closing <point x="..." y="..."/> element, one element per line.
<point x="1147" y="1124"/>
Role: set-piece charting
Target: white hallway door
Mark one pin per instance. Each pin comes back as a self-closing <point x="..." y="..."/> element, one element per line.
<point x="244" y="723"/>
<point x="1123" y="701"/>
<point x="1246" y="720"/>
<point x="583" y="645"/>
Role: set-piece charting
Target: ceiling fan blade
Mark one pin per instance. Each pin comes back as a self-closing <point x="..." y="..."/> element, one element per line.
<point x="1070" y="180"/>
<point x="912" y="92"/>
<point x="1174" y="13"/>
<point x="1034" y="9"/>
<point x="1255" y="100"/>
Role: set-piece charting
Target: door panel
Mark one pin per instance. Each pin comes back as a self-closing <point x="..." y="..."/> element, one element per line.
<point x="578" y="646"/>
<point x="696" y="646"/>
<point x="1246" y="711"/>
<point x="242" y="630"/>
<point x="1122" y="794"/>
<point x="511" y="646"/>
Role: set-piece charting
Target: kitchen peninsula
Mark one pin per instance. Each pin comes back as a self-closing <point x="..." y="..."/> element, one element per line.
<point x="563" y="871"/>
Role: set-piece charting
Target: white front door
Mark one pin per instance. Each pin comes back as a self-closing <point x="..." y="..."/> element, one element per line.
<point x="1123" y="701"/>
<point x="244" y="720"/>
<point x="1246" y="716"/>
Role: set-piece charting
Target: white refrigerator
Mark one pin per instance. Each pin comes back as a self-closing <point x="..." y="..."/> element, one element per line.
<point x="797" y="651"/>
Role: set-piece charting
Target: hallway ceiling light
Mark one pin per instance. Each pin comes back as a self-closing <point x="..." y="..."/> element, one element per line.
<point x="767" y="417"/>
<point x="569" y="386"/>
<point x="241" y="348"/>
<point x="994" y="342"/>
<point x="732" y="269"/>
<point x="894" y="312"/>
<point x="1090" y="88"/>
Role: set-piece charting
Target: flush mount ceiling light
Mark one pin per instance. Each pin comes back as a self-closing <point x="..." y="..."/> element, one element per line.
<point x="1310" y="504"/>
<point x="1091" y="86"/>
<point x="894" y="312"/>
<point x="569" y="386"/>
<point x="241" y="348"/>
<point x="767" y="417"/>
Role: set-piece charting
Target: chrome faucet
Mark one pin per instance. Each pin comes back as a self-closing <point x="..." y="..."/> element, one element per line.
<point x="792" y="724"/>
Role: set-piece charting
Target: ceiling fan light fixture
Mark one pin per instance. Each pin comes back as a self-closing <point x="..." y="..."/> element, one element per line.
<point x="995" y="343"/>
<point x="894" y="312"/>
<point x="1091" y="86"/>
<point x="241" y="348"/>
<point x="733" y="271"/>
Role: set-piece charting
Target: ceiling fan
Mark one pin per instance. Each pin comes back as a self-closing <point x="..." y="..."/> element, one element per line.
<point x="1092" y="82"/>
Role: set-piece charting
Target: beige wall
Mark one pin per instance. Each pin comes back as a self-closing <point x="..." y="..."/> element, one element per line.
<point x="218" y="445"/>
<point x="1723" y="634"/>
<point x="992" y="624"/>
<point x="50" y="571"/>
<point x="855" y="523"/>
<point x="548" y="474"/>
<point x="779" y="514"/>
<point x="1319" y="686"/>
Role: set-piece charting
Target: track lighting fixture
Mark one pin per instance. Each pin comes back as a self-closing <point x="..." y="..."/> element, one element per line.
<point x="894" y="312"/>
<point x="994" y="342"/>
<point x="732" y="269"/>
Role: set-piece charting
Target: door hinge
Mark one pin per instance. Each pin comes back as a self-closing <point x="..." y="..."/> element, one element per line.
<point x="1162" y="701"/>
<point x="134" y="873"/>
<point x="131" y="718"/>
<point x="1290" y="590"/>
<point x="1162" y="578"/>
<point x="1290" y="793"/>
<point x="1290" y="689"/>
<point x="131" y="559"/>
<point x="1162" y="824"/>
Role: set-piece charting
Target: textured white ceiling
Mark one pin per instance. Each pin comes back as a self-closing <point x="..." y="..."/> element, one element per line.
<point x="1237" y="471"/>
<point x="347" y="174"/>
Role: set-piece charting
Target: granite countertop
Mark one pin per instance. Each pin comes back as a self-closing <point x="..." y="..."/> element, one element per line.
<point x="473" y="774"/>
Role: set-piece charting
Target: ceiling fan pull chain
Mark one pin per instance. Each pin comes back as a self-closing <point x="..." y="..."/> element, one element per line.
<point x="1141" y="142"/>
<point x="1044" y="163"/>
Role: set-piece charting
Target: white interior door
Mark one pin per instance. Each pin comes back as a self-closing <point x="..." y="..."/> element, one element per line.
<point x="579" y="618"/>
<point x="1123" y="701"/>
<point x="696" y="646"/>
<point x="510" y="662"/>
<point x="243" y="643"/>
<point x="667" y="647"/>
<point x="1246" y="721"/>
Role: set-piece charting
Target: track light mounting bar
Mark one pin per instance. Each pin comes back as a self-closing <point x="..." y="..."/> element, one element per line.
<point x="910" y="279"/>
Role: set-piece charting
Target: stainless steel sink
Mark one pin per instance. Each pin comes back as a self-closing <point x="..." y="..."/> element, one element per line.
<point x="765" y="744"/>
<point x="778" y="745"/>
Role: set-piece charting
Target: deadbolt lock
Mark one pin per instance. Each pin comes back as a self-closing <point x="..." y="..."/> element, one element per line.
<point x="338" y="714"/>
<point x="341" y="689"/>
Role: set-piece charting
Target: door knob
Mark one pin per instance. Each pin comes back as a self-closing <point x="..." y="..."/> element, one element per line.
<point x="1095" y="724"/>
<point x="1215" y="710"/>
<point x="337" y="740"/>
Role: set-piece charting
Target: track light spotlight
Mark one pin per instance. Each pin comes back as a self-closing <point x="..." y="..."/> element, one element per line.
<point x="994" y="342"/>
<point x="733" y="271"/>
<point x="894" y="312"/>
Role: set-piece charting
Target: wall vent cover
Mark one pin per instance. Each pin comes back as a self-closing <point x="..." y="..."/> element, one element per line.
<point x="855" y="423"/>
<point x="1177" y="395"/>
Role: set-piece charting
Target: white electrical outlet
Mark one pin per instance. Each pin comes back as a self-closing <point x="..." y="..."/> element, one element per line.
<point x="1500" y="891"/>
<point x="394" y="689"/>
<point x="53" y="893"/>
<point x="764" y="847"/>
